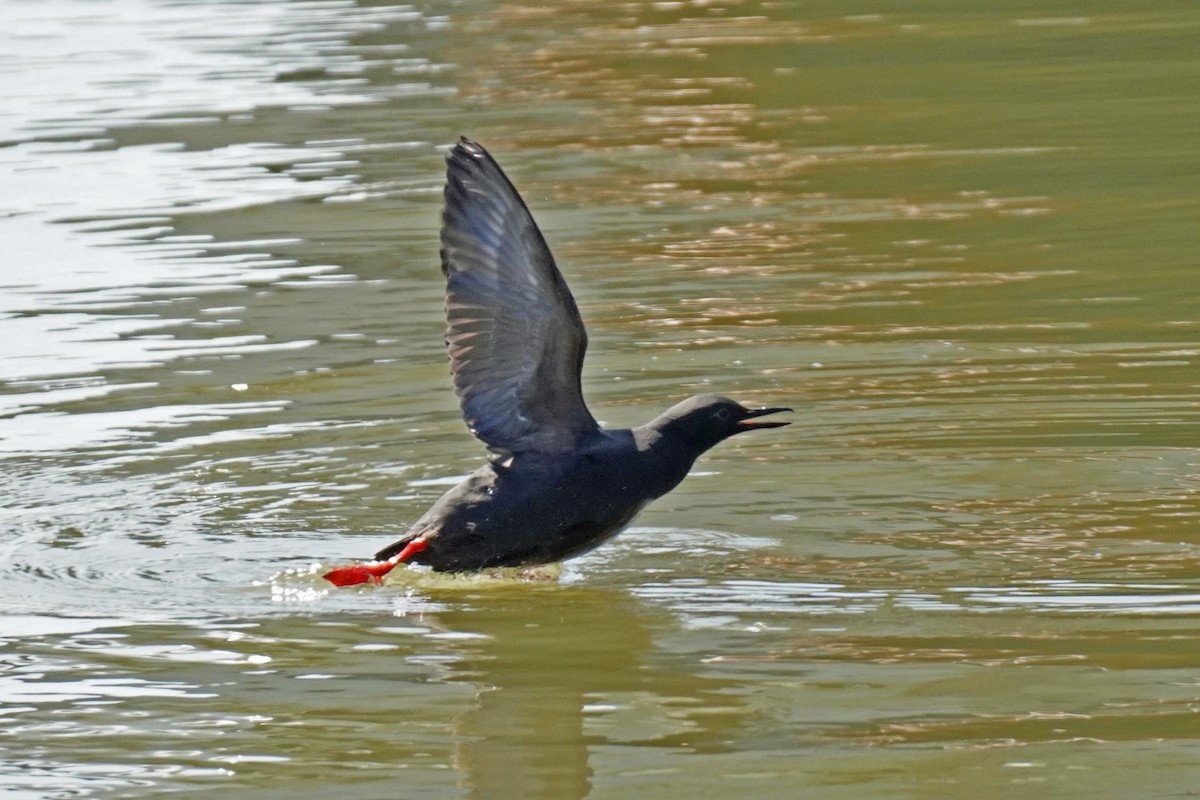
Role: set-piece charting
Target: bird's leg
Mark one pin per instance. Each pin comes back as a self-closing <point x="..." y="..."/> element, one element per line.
<point x="373" y="571"/>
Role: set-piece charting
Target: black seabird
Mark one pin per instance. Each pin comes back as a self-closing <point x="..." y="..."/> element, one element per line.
<point x="560" y="484"/>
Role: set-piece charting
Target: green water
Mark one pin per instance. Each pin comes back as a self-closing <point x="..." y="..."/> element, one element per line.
<point x="960" y="239"/>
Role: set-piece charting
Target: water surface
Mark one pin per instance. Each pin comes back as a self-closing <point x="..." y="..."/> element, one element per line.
<point x="959" y="241"/>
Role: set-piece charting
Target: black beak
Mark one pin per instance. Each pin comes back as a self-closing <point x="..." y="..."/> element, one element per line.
<point x="748" y="424"/>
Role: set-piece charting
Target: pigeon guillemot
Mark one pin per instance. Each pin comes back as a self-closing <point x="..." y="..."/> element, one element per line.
<point x="560" y="484"/>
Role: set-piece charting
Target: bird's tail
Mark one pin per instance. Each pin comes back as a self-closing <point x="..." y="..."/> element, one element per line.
<point x="373" y="571"/>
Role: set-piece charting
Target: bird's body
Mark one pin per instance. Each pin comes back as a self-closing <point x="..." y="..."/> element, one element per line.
<point x="536" y="508"/>
<point x="560" y="484"/>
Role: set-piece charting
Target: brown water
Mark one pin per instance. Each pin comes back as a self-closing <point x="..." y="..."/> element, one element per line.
<point x="960" y="239"/>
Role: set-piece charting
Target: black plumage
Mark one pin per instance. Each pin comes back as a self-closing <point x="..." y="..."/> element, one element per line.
<point x="560" y="484"/>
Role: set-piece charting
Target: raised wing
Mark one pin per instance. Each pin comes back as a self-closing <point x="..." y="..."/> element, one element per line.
<point x="514" y="334"/>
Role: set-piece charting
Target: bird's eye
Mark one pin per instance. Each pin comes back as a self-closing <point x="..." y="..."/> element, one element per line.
<point x="722" y="414"/>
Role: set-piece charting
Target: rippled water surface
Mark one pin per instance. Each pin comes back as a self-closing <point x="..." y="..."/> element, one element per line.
<point x="960" y="239"/>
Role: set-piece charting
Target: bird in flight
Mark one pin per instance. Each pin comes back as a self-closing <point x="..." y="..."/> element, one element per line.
<point x="559" y="484"/>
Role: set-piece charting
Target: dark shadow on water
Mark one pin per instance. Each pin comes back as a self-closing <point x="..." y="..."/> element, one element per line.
<point x="550" y="667"/>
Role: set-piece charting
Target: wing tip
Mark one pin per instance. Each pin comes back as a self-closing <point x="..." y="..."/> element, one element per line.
<point x="465" y="149"/>
<point x="468" y="163"/>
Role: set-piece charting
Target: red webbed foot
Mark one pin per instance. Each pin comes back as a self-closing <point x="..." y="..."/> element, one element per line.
<point x="373" y="571"/>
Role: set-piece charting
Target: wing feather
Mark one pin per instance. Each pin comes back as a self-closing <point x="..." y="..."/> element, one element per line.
<point x="514" y="335"/>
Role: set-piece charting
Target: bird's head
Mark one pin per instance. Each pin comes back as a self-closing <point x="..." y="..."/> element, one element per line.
<point x="704" y="420"/>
